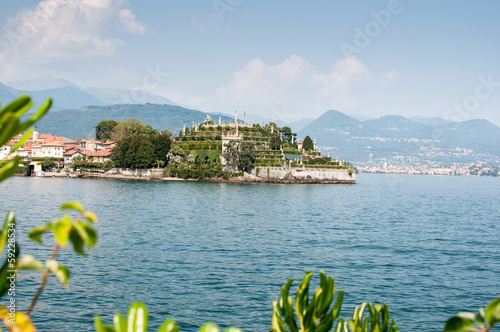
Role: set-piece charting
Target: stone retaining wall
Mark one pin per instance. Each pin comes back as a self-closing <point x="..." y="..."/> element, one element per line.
<point x="302" y="175"/>
<point x="139" y="173"/>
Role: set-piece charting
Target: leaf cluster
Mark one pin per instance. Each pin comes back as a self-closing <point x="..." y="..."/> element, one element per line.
<point x="319" y="313"/>
<point x="11" y="125"/>
<point x="483" y="321"/>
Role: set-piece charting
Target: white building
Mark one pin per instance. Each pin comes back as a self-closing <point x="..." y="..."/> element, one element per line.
<point x="48" y="150"/>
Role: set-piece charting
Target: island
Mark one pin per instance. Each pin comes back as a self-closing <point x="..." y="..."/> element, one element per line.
<point x="231" y="151"/>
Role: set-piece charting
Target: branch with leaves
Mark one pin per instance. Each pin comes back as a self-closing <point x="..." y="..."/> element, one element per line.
<point x="483" y="321"/>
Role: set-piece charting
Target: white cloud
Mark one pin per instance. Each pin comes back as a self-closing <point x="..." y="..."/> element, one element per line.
<point x="388" y="78"/>
<point x="64" y="29"/>
<point x="294" y="86"/>
<point x="130" y="22"/>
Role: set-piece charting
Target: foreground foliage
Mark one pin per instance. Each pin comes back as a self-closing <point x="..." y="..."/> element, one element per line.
<point x="12" y="125"/>
<point x="79" y="231"/>
<point x="483" y="321"/>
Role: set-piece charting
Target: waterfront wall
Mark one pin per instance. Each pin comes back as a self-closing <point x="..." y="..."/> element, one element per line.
<point x="259" y="174"/>
<point x="138" y="173"/>
<point x="301" y="175"/>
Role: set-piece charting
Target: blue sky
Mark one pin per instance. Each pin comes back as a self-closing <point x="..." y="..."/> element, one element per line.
<point x="280" y="59"/>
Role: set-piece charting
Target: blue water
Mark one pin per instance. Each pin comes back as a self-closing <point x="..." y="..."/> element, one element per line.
<point x="427" y="246"/>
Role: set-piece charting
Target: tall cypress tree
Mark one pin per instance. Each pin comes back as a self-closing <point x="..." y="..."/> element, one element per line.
<point x="308" y="144"/>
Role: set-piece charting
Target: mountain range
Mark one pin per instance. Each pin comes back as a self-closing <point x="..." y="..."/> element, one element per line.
<point x="81" y="122"/>
<point x="396" y="140"/>
<point x="67" y="95"/>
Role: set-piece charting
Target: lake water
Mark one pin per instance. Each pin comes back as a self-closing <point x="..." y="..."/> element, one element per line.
<point x="427" y="246"/>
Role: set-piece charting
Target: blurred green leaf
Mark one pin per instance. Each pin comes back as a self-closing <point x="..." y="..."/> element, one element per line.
<point x="233" y="329"/>
<point x="17" y="105"/>
<point x="10" y="221"/>
<point x="169" y="326"/>
<point x="21" y="141"/>
<point x="100" y="327"/>
<point x="91" y="235"/>
<point x="4" y="271"/>
<point x="91" y="217"/>
<point x="492" y="313"/>
<point x="36" y="233"/>
<point x="276" y="320"/>
<point x="137" y="318"/>
<point x="72" y="206"/>
<point x="209" y="327"/>
<point x="29" y="262"/>
<point x="62" y="228"/>
<point x="9" y="168"/>
<point x="77" y="241"/>
<point x="457" y="324"/>
<point x="59" y="270"/>
<point x="120" y="323"/>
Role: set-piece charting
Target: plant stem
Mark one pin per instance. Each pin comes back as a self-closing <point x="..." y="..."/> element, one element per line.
<point x="44" y="281"/>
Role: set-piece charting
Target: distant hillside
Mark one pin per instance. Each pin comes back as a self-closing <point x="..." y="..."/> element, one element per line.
<point x="123" y="96"/>
<point x="398" y="140"/>
<point x="67" y="95"/>
<point x="81" y="122"/>
<point x="42" y="83"/>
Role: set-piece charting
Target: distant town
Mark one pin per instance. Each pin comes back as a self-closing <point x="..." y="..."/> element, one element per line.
<point x="470" y="170"/>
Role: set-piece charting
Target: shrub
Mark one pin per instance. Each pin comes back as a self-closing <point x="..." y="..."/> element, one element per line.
<point x="308" y="144"/>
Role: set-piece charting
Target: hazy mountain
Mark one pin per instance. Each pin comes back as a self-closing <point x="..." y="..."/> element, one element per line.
<point x="67" y="95"/>
<point x="361" y="117"/>
<point x="123" y="96"/>
<point x="398" y="126"/>
<point x="295" y="125"/>
<point x="433" y="121"/>
<point x="298" y="125"/>
<point x="7" y="94"/>
<point x="43" y="83"/>
<point x="63" y="98"/>
<point x="396" y="139"/>
<point x="81" y="122"/>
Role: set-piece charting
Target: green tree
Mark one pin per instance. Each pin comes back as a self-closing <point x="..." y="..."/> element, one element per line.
<point x="240" y="155"/>
<point x="276" y="143"/>
<point x="308" y="144"/>
<point x="131" y="127"/>
<point x="48" y="164"/>
<point x="119" y="152"/>
<point x="246" y="156"/>
<point x="145" y="156"/>
<point x="161" y="143"/>
<point x="103" y="129"/>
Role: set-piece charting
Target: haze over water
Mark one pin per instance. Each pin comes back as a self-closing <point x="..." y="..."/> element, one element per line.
<point x="427" y="246"/>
